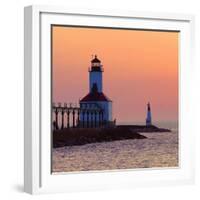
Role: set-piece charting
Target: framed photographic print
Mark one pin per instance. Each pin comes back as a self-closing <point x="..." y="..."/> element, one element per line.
<point x="106" y="95"/>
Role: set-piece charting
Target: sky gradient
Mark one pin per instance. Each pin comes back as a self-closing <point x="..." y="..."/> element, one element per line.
<point x="139" y="66"/>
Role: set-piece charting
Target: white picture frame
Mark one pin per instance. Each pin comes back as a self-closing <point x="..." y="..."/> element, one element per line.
<point x="37" y="135"/>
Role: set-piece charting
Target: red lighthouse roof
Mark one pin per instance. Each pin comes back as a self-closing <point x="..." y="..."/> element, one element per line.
<point x="97" y="96"/>
<point x="94" y="95"/>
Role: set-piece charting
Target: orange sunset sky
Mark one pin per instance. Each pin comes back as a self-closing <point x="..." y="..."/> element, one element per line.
<point x="139" y="66"/>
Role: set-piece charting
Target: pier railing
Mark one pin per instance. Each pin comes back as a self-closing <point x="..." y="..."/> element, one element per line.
<point x="73" y="116"/>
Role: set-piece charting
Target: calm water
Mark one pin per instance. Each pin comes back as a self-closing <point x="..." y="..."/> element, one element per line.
<point x="172" y="125"/>
<point x="158" y="150"/>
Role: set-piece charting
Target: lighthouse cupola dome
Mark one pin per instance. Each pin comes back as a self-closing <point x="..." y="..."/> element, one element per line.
<point x="95" y="60"/>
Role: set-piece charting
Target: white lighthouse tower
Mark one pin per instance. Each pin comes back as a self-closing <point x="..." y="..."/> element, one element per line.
<point x="95" y="99"/>
<point x="148" y="119"/>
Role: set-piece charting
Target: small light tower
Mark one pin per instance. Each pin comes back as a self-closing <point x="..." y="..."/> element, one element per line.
<point x="148" y="119"/>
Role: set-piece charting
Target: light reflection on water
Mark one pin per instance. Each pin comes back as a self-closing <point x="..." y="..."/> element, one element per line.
<point x="158" y="150"/>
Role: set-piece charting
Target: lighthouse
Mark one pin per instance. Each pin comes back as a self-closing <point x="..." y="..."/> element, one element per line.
<point x="95" y="99"/>
<point x="148" y="119"/>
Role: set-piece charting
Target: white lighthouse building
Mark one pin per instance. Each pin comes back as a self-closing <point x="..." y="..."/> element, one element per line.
<point x="95" y="99"/>
<point x="148" y="119"/>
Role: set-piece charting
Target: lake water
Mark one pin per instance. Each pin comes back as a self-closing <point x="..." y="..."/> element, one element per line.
<point x="158" y="150"/>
